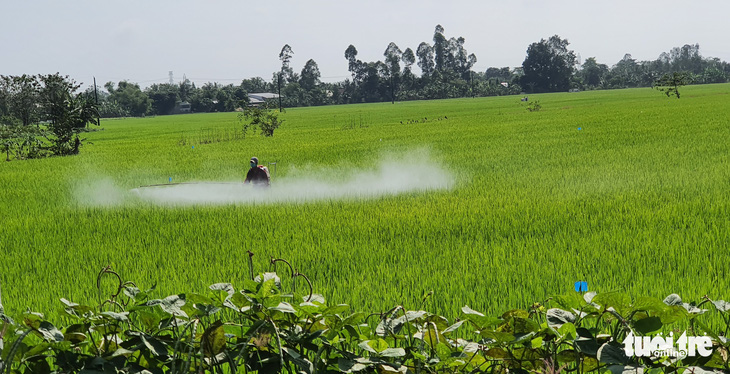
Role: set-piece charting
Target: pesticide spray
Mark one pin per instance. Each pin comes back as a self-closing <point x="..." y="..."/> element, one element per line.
<point x="411" y="172"/>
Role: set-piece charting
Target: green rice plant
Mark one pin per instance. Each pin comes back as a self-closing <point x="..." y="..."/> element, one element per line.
<point x="622" y="189"/>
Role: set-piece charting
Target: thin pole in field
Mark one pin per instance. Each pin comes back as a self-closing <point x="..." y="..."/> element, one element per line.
<point x="279" y="84"/>
<point x="96" y="100"/>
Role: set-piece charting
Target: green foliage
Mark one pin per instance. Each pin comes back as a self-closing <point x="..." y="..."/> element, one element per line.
<point x="670" y="83"/>
<point x="263" y="328"/>
<point x="163" y="97"/>
<point x="534" y="106"/>
<point x="130" y="97"/>
<point x="642" y="185"/>
<point x="592" y="73"/>
<point x="548" y="66"/>
<point x="21" y="142"/>
<point x="264" y="116"/>
<point x="65" y="114"/>
<point x="112" y="109"/>
<point x="19" y="98"/>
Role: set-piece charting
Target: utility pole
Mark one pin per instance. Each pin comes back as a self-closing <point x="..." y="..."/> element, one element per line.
<point x="392" y="90"/>
<point x="96" y="100"/>
<point x="279" y="84"/>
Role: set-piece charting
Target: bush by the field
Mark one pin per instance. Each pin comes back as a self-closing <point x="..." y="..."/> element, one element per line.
<point x="260" y="328"/>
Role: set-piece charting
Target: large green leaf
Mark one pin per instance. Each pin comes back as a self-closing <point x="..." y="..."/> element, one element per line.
<point x="557" y="317"/>
<point x="479" y="320"/>
<point x="515" y="313"/>
<point x="619" y="301"/>
<point x="76" y="333"/>
<point x="350" y="366"/>
<point x="214" y="339"/>
<point x="672" y="314"/>
<point x="302" y="362"/>
<point x="650" y="304"/>
<point x="573" y="300"/>
<point x="393" y="352"/>
<point x="500" y="337"/>
<point x="648" y="325"/>
<point x="50" y="332"/>
<point x="225" y="287"/>
<point x="466" y="310"/>
<point x="374" y="346"/>
<point x="75" y="309"/>
<point x="611" y="354"/>
<point x="453" y="327"/>
<point x="721" y="305"/>
<point x="284" y="307"/>
<point x="673" y="299"/>
<point x="568" y="355"/>
<point x="586" y="342"/>
<point x="568" y="331"/>
<point x="119" y="317"/>
<point x="154" y="345"/>
<point x="443" y="351"/>
<point x="170" y="304"/>
<point x="336" y="309"/>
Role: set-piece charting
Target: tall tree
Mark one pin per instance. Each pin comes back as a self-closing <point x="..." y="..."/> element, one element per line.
<point x="408" y="59"/>
<point x="354" y="66"/>
<point x="19" y="96"/>
<point x="670" y="83"/>
<point x="593" y="73"/>
<point x="312" y="92"/>
<point x="164" y="96"/>
<point x="408" y="78"/>
<point x="285" y="56"/>
<point x="309" y="79"/>
<point x="548" y="66"/>
<point x="66" y="112"/>
<point x="392" y="68"/>
<point x="130" y="97"/>
<point x="626" y="73"/>
<point x="186" y="89"/>
<point x="440" y="48"/>
<point x="425" y="59"/>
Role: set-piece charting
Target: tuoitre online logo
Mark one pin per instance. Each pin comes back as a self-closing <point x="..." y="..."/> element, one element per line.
<point x="685" y="346"/>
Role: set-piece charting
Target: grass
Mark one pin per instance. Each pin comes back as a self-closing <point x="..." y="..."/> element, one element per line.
<point x="637" y="200"/>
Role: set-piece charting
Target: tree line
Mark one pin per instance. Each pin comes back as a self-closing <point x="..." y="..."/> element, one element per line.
<point x="445" y="70"/>
<point x="42" y="115"/>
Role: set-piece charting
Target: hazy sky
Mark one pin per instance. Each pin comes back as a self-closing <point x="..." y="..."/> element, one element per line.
<point x="226" y="41"/>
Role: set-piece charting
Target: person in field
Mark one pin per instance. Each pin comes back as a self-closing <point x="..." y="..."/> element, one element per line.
<point x="258" y="175"/>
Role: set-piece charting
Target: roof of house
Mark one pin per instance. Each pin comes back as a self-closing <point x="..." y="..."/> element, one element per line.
<point x="263" y="95"/>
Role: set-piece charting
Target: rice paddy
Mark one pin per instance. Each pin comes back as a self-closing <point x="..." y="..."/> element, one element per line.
<point x="626" y="190"/>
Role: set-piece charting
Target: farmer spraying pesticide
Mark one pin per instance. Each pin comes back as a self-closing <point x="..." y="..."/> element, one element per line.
<point x="258" y="175"/>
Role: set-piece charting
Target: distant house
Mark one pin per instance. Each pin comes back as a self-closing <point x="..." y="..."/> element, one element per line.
<point x="181" y="107"/>
<point x="256" y="99"/>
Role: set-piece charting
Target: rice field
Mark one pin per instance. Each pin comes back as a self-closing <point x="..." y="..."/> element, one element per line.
<point x="627" y="190"/>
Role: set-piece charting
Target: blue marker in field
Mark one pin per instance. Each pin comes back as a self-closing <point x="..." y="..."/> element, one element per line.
<point x="581" y="286"/>
<point x="194" y="146"/>
<point x="580" y="128"/>
<point x="170" y="179"/>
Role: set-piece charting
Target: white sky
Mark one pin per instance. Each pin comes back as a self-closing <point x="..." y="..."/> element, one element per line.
<point x="226" y="40"/>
